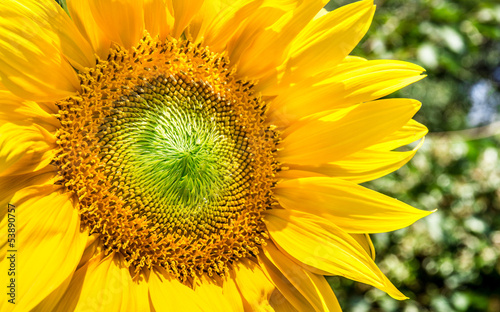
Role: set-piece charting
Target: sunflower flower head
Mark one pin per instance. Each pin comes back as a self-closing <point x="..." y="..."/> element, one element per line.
<point x="178" y="147"/>
<point x="164" y="155"/>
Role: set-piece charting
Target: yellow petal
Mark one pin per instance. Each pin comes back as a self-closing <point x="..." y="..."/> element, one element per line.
<point x="25" y="113"/>
<point x="92" y="249"/>
<point x="183" y="12"/>
<point x="369" y="80"/>
<point x="207" y="13"/>
<point x="346" y="84"/>
<point x="210" y="291"/>
<point x="322" y="12"/>
<point x="325" y="138"/>
<point x="10" y="184"/>
<point x="105" y="284"/>
<point x="317" y="243"/>
<point x="231" y="292"/>
<point x="280" y="304"/>
<point x="24" y="149"/>
<point x="51" y="301"/>
<point x="361" y="166"/>
<point x="49" y="244"/>
<point x="352" y="58"/>
<point x="36" y="42"/>
<point x="121" y="20"/>
<point x="168" y="294"/>
<point x="325" y="41"/>
<point x="351" y="207"/>
<point x="409" y="133"/>
<point x="289" y="292"/>
<point x="312" y="287"/>
<point x="296" y="173"/>
<point x="55" y="26"/>
<point x="365" y="241"/>
<point x="157" y="18"/>
<point x="254" y="286"/>
<point x="81" y="14"/>
<point x="258" y="53"/>
<point x="235" y="22"/>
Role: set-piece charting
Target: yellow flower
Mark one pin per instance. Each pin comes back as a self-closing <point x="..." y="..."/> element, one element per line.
<point x="176" y="155"/>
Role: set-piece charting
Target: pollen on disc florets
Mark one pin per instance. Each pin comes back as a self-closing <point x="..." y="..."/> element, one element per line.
<point x="169" y="157"/>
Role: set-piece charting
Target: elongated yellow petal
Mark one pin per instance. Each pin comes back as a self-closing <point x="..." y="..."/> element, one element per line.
<point x="25" y="152"/>
<point x="24" y="149"/>
<point x="325" y="41"/>
<point x="409" y="133"/>
<point x="314" y="288"/>
<point x="48" y="244"/>
<point x="170" y="295"/>
<point x="359" y="167"/>
<point x="323" y="139"/>
<point x="280" y="304"/>
<point x="54" y="26"/>
<point x="351" y="207"/>
<point x="183" y="12"/>
<point x="51" y="301"/>
<point x="241" y="20"/>
<point x="290" y="293"/>
<point x="369" y="80"/>
<point x="157" y="18"/>
<point x="92" y="249"/>
<point x="83" y="18"/>
<point x="39" y="44"/>
<point x="10" y="184"/>
<point x="346" y="84"/>
<point x="231" y="292"/>
<point x="203" y="18"/>
<point x="121" y="20"/>
<point x="365" y="241"/>
<point x="25" y="113"/>
<point x="254" y="286"/>
<point x="105" y="284"/>
<point x="209" y="291"/>
<point x="318" y="243"/>
<point x="259" y="53"/>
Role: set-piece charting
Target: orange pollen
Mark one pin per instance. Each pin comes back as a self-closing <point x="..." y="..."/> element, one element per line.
<point x="169" y="158"/>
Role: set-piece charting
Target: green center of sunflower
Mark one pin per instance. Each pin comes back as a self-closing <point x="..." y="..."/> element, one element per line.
<point x="179" y="154"/>
<point x="169" y="158"/>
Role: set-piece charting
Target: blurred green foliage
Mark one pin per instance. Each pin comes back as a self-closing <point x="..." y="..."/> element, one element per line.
<point x="448" y="261"/>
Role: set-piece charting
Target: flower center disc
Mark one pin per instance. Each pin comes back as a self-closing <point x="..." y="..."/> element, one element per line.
<point x="169" y="158"/>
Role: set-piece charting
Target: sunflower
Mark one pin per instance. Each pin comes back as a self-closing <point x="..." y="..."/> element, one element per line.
<point x="167" y="155"/>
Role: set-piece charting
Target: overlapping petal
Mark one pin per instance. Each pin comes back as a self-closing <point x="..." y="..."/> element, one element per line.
<point x="305" y="290"/>
<point x="83" y="18"/>
<point x="158" y="20"/>
<point x="347" y="84"/>
<point x="351" y="207"/>
<point x="122" y="21"/>
<point x="39" y="44"/>
<point x="25" y="155"/>
<point x="318" y="244"/>
<point x="330" y="136"/>
<point x="364" y="165"/>
<point x="326" y="41"/>
<point x="48" y="245"/>
<point x="104" y="284"/>
<point x="168" y="294"/>
<point x="254" y="286"/>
